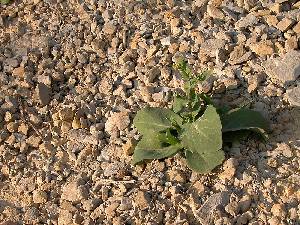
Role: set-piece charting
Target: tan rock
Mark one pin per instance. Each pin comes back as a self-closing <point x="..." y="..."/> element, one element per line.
<point x="184" y="46"/>
<point x="8" y="116"/>
<point x="216" y="3"/>
<point x="66" y="114"/>
<point x="12" y="127"/>
<point x="176" y="176"/>
<point x="118" y="121"/>
<point x="229" y="168"/>
<point x="109" y="28"/>
<point x="19" y="71"/>
<point x="274" y="221"/>
<point x="142" y="200"/>
<point x="39" y="196"/>
<point x="279" y="47"/>
<point x="276" y="7"/>
<point x="34" y="141"/>
<point x="65" y="126"/>
<point x="231" y="83"/>
<point x="261" y="12"/>
<point x="110" y="211"/>
<point x="285" y="24"/>
<point x="263" y="48"/>
<point x="46" y="148"/>
<point x="239" y="55"/>
<point x="135" y="40"/>
<point x="23" y="128"/>
<point x="214" y="12"/>
<point x="98" y="213"/>
<point x="291" y="43"/>
<point x="173" y="48"/>
<point x="73" y="192"/>
<point x="297" y="5"/>
<point x="128" y="148"/>
<point x="271" y="20"/>
<point x="11" y="140"/>
<point x="253" y="82"/>
<point x="76" y="123"/>
<point x="65" y="218"/>
<point x="278" y="210"/>
<point x="232" y="208"/>
<point x="297" y="28"/>
<point x="175" y="22"/>
<point x="199" y="188"/>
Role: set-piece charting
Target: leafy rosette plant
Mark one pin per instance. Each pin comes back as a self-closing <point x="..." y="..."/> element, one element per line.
<point x="193" y="127"/>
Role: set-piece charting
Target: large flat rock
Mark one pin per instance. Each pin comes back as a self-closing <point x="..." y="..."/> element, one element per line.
<point x="293" y="95"/>
<point x="285" y="69"/>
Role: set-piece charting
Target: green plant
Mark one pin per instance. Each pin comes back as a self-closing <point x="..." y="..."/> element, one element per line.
<point x="193" y="127"/>
<point x="5" y="1"/>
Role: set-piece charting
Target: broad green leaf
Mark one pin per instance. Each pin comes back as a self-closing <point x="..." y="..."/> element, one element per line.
<point x="150" y="147"/>
<point x="155" y="120"/>
<point x="167" y="137"/>
<point x="204" y="138"/>
<point x="4" y="1"/>
<point x="179" y="103"/>
<point x="223" y="110"/>
<point x="232" y="136"/>
<point x="195" y="107"/>
<point x="245" y="119"/>
<point x="203" y="163"/>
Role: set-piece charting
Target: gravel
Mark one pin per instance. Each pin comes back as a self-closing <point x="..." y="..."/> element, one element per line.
<point x="73" y="74"/>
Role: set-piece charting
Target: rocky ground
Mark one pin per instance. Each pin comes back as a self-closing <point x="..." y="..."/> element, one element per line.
<point x="74" y="73"/>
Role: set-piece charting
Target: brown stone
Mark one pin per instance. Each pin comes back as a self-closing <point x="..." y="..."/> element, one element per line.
<point x="214" y="12"/>
<point x="39" y="196"/>
<point x="43" y="93"/>
<point x="110" y="211"/>
<point x="129" y="147"/>
<point x="176" y="176"/>
<point x="278" y="210"/>
<point x="34" y="141"/>
<point x="19" y="71"/>
<point x="263" y="48"/>
<point x="23" y="128"/>
<point x="65" y="217"/>
<point x="173" y="48"/>
<point x="109" y="28"/>
<point x="229" y="169"/>
<point x="66" y="114"/>
<point x="239" y="55"/>
<point x="119" y="121"/>
<point x="297" y="28"/>
<point x="9" y="222"/>
<point x="285" y="24"/>
<point x="142" y="200"/>
<point x="271" y="20"/>
<point x="12" y="127"/>
<point x="73" y="192"/>
<point x="291" y="43"/>
<point x="276" y="7"/>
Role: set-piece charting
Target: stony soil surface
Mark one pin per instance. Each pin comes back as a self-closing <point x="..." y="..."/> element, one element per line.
<point x="74" y="73"/>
